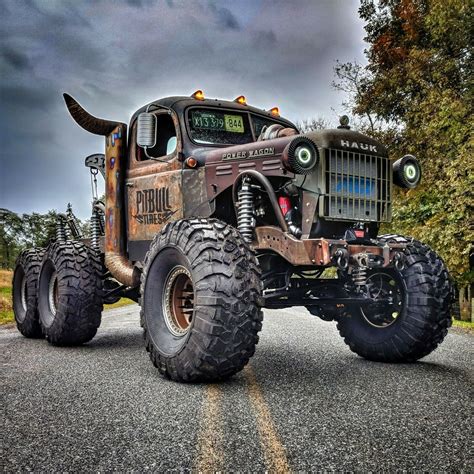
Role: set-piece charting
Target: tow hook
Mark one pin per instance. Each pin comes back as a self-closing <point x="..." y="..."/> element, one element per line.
<point x="341" y="256"/>
<point x="399" y="261"/>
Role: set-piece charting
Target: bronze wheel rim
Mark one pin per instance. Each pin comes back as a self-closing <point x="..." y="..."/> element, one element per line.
<point x="24" y="293"/>
<point x="178" y="301"/>
<point x="53" y="296"/>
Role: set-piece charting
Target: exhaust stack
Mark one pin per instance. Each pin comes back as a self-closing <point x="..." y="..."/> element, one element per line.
<point x="115" y="151"/>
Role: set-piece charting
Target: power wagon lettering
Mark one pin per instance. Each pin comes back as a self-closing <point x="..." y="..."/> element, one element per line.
<point x="240" y="155"/>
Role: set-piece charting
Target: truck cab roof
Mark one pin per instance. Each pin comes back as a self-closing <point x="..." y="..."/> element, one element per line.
<point x="180" y="103"/>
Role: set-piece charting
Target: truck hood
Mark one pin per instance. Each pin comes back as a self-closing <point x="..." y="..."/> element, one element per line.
<point x="332" y="138"/>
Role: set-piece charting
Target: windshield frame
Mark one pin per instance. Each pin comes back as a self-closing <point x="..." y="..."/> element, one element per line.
<point x="249" y="113"/>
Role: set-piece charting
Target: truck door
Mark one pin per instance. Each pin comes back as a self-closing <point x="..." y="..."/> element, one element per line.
<point x="153" y="187"/>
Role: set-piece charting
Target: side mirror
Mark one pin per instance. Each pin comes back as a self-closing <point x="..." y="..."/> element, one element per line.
<point x="146" y="130"/>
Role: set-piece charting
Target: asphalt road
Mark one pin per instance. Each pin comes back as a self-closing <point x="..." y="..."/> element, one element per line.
<point x="305" y="403"/>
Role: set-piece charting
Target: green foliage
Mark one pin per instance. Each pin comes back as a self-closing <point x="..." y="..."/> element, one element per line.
<point x="18" y="232"/>
<point x="417" y="92"/>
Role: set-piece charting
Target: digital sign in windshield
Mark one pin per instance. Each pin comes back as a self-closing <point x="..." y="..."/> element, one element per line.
<point x="207" y="120"/>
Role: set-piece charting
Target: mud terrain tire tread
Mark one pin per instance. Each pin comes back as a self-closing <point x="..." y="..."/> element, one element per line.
<point x="29" y="262"/>
<point x="425" y="320"/>
<point x="227" y="286"/>
<point x="80" y="302"/>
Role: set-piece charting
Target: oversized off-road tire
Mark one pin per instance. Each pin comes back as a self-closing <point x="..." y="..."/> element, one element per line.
<point x="70" y="293"/>
<point x="422" y="320"/>
<point x="25" y="292"/>
<point x="200" y="300"/>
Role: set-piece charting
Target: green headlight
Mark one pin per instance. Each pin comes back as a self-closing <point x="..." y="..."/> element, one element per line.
<point x="303" y="155"/>
<point x="410" y="172"/>
<point x="407" y="172"/>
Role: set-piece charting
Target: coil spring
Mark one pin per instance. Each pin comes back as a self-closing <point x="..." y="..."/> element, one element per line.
<point x="96" y="229"/>
<point x="359" y="276"/>
<point x="245" y="213"/>
<point x="61" y="234"/>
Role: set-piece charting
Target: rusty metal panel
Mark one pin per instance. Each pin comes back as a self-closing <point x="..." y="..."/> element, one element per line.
<point x="314" y="251"/>
<point x="223" y="165"/>
<point x="153" y="201"/>
<point x="195" y="200"/>
<point x="273" y="238"/>
<point x="309" y="205"/>
<point x="114" y="178"/>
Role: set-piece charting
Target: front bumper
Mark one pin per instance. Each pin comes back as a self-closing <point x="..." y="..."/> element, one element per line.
<point x="324" y="252"/>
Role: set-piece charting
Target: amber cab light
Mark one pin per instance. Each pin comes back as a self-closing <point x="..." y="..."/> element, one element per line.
<point x="198" y="95"/>
<point x="241" y="100"/>
<point x="275" y="111"/>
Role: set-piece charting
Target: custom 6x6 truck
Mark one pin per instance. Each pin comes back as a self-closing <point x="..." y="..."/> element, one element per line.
<point x="214" y="210"/>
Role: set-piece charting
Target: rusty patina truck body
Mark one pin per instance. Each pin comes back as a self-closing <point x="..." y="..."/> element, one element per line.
<point x="195" y="180"/>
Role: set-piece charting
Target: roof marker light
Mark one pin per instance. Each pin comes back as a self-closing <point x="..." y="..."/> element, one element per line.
<point x="198" y="95"/>
<point x="275" y="111"/>
<point x="241" y="100"/>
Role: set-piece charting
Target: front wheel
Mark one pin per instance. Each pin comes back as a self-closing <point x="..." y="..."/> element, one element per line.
<point x="200" y="299"/>
<point x="418" y="318"/>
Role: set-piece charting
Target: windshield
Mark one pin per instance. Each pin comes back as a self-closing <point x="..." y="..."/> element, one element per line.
<point x="224" y="127"/>
<point x="259" y="123"/>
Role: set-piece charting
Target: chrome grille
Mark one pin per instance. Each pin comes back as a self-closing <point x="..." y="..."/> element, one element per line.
<point x="358" y="187"/>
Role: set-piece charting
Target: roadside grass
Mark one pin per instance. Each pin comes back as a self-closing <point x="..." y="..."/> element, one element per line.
<point x="6" y="278"/>
<point x="121" y="302"/>
<point x="469" y="325"/>
<point x="6" y="306"/>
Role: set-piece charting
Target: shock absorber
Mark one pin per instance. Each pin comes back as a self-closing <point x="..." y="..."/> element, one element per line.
<point x="245" y="213"/>
<point x="359" y="272"/>
<point x="359" y="276"/>
<point x="96" y="228"/>
<point x="61" y="234"/>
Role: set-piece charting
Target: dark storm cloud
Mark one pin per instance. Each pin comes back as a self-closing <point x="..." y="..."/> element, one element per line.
<point x="15" y="59"/>
<point x="225" y="18"/>
<point x="115" y="56"/>
<point x="19" y="96"/>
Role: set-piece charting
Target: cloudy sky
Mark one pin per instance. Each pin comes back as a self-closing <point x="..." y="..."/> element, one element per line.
<point x="116" y="55"/>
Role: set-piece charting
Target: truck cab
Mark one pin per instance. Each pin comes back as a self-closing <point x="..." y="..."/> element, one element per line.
<point x="164" y="176"/>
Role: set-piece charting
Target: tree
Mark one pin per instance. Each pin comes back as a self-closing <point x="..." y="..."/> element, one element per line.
<point x="11" y="230"/>
<point x="418" y="85"/>
<point x="315" y="123"/>
<point x="18" y="232"/>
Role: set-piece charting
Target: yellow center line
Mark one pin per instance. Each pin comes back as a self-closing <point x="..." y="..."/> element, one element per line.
<point x="210" y="457"/>
<point x="273" y="450"/>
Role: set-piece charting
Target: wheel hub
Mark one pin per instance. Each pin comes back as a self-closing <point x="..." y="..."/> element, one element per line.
<point x="383" y="286"/>
<point x="178" y="301"/>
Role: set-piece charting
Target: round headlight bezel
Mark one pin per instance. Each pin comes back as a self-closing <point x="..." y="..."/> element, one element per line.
<point x="301" y="156"/>
<point x="407" y="172"/>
